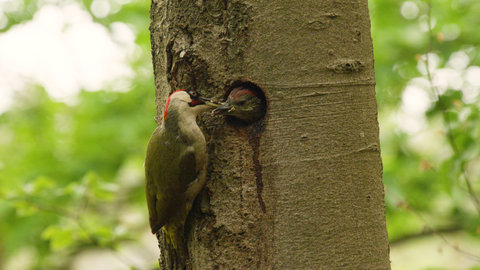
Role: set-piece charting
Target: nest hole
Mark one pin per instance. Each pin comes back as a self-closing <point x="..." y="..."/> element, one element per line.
<point x="232" y="120"/>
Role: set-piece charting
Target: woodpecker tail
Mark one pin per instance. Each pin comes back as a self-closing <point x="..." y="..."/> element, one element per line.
<point x="176" y="247"/>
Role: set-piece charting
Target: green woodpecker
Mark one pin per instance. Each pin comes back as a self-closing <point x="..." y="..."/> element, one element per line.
<point x="244" y="104"/>
<point x="175" y="165"/>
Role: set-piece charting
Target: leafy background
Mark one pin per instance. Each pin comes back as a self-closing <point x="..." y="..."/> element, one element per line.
<point x="71" y="176"/>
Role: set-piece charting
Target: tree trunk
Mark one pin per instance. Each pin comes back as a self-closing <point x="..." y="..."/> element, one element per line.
<point x="301" y="189"/>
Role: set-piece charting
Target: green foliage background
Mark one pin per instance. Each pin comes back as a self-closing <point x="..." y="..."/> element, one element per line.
<point x="69" y="174"/>
<point x="421" y="181"/>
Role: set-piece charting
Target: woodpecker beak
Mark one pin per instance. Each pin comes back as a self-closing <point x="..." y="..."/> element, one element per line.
<point x="223" y="109"/>
<point x="204" y="99"/>
<point x="199" y="100"/>
<point x="208" y="102"/>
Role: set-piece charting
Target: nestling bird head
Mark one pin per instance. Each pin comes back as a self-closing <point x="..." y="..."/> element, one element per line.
<point x="188" y="102"/>
<point x="244" y="104"/>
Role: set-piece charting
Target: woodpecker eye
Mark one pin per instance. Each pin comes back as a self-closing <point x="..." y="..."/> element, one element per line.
<point x="193" y="94"/>
<point x="241" y="103"/>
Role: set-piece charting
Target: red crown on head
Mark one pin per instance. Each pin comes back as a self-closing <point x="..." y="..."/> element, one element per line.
<point x="168" y="103"/>
<point x="238" y="92"/>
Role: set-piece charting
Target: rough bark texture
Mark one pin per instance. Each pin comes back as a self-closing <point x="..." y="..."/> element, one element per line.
<point x="301" y="189"/>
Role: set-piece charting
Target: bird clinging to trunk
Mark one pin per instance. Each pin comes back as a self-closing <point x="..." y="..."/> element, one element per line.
<point x="175" y="167"/>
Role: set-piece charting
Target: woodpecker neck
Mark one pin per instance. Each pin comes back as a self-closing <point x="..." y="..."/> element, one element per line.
<point x="180" y="115"/>
<point x="181" y="123"/>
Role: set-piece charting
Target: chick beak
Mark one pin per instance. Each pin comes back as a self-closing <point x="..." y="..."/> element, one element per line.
<point x="224" y="109"/>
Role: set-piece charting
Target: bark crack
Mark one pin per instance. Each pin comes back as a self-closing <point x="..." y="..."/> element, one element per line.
<point x="254" y="135"/>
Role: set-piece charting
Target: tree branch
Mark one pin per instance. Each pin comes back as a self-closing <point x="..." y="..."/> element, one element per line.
<point x="427" y="232"/>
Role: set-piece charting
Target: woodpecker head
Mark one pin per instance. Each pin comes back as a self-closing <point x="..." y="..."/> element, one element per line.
<point x="187" y="102"/>
<point x="244" y="104"/>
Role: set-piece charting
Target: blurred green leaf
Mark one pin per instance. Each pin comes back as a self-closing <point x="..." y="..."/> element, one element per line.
<point x="60" y="238"/>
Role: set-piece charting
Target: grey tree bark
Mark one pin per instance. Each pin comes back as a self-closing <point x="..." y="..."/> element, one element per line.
<point x="301" y="189"/>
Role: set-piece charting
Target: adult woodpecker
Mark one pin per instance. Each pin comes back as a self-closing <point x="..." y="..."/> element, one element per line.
<point x="175" y="165"/>
<point x="244" y="104"/>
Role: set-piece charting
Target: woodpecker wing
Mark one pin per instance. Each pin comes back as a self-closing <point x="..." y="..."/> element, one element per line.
<point x="170" y="167"/>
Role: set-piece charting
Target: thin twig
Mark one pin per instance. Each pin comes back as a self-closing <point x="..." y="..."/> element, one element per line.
<point x="445" y="240"/>
<point x="437" y="232"/>
<point x="424" y="233"/>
